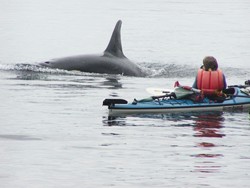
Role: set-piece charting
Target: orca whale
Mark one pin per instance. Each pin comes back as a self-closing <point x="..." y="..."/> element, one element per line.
<point x="111" y="61"/>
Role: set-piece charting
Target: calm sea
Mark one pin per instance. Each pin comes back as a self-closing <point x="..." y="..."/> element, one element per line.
<point x="55" y="133"/>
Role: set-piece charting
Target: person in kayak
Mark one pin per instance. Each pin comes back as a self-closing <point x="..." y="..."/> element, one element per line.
<point x="210" y="79"/>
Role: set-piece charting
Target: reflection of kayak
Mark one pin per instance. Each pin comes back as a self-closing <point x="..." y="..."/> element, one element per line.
<point x="236" y="99"/>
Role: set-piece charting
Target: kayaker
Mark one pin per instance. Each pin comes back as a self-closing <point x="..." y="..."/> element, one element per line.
<point x="210" y="79"/>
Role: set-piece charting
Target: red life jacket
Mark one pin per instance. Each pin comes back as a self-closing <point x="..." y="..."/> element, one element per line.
<point x="210" y="81"/>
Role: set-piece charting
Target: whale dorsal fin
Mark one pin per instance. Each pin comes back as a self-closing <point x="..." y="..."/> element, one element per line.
<point x="115" y="45"/>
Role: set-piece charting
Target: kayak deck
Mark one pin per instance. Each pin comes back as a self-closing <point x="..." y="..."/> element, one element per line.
<point x="238" y="100"/>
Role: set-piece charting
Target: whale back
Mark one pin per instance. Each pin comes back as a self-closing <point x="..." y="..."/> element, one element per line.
<point x="115" y="45"/>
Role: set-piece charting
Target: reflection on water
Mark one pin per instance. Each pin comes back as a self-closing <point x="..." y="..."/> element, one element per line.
<point x="18" y="137"/>
<point x="113" y="82"/>
<point x="177" y="119"/>
<point x="113" y="121"/>
<point x="62" y="79"/>
<point x="207" y="127"/>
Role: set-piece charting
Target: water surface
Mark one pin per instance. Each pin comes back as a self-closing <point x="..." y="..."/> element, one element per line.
<point x="55" y="131"/>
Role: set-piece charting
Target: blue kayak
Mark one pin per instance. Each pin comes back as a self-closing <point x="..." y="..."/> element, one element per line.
<point x="235" y="99"/>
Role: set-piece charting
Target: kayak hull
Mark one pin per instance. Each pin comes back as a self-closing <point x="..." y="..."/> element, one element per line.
<point x="238" y="101"/>
<point x="114" y="111"/>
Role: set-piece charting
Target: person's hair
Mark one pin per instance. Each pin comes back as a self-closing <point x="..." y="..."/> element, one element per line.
<point x="210" y="62"/>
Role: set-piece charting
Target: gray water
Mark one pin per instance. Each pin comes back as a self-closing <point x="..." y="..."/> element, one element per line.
<point x="55" y="133"/>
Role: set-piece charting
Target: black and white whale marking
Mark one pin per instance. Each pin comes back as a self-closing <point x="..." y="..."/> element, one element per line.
<point x="112" y="61"/>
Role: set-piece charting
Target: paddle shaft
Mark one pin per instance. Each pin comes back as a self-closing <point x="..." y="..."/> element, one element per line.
<point x="238" y="96"/>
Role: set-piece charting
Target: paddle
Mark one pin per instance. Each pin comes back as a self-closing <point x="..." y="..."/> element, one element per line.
<point x="240" y="86"/>
<point x="158" y="91"/>
<point x="149" y="99"/>
<point x="178" y="92"/>
<point x="247" y="85"/>
<point x="242" y="96"/>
